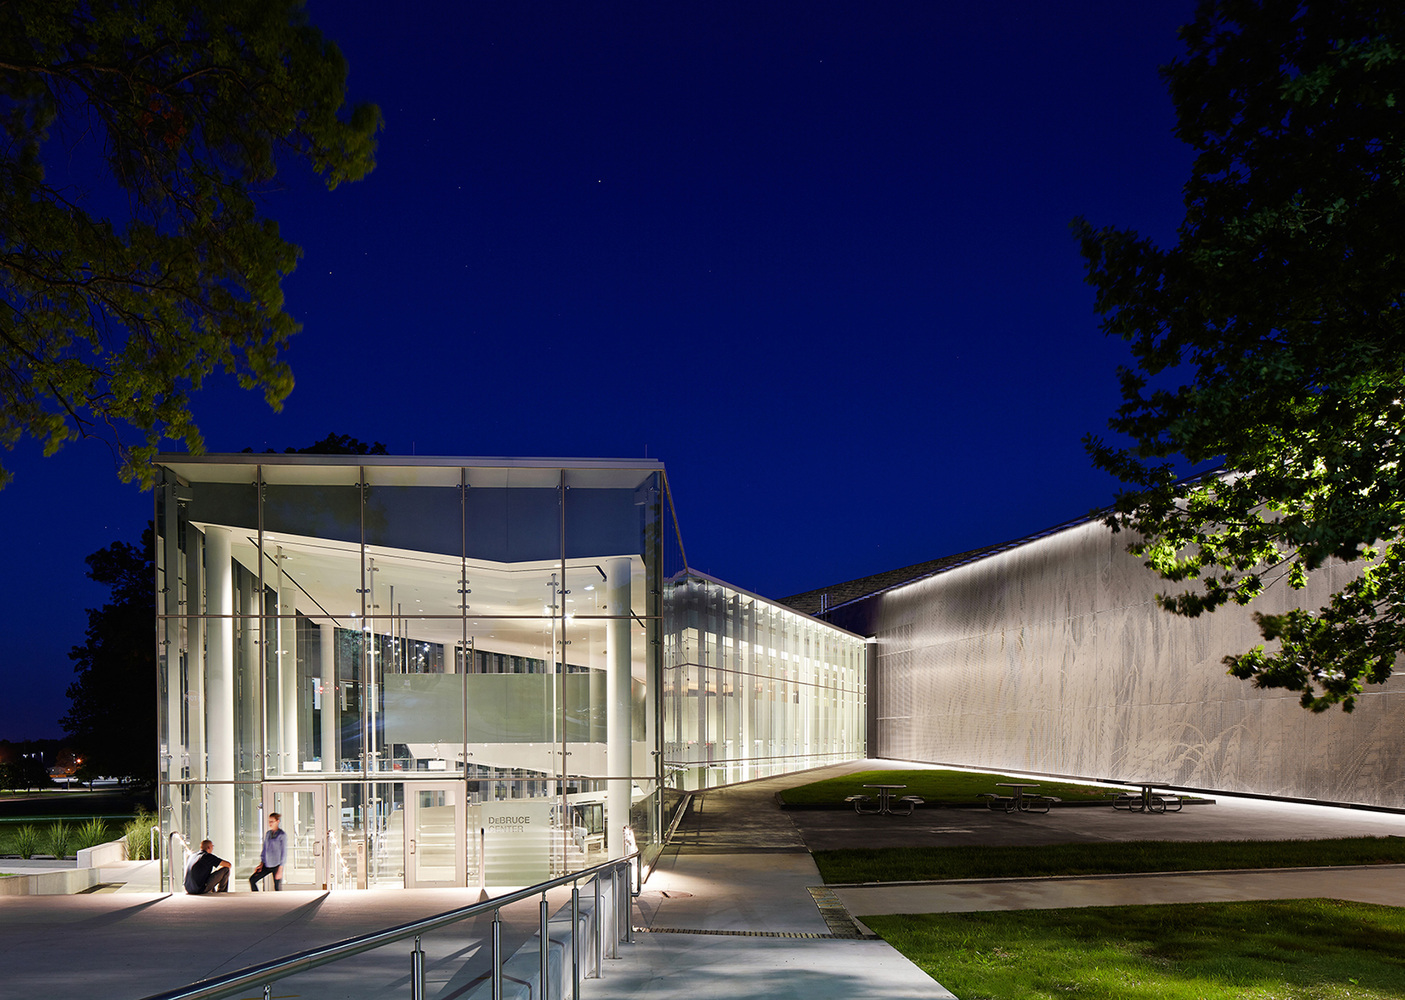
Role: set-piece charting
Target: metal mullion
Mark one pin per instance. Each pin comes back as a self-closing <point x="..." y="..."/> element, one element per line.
<point x="366" y="790"/>
<point x="261" y="646"/>
<point x="561" y="681"/>
<point x="467" y="656"/>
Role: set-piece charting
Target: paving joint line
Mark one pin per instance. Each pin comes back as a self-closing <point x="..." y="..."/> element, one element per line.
<point x="810" y="935"/>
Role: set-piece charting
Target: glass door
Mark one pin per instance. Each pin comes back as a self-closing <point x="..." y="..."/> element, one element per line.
<point x="302" y="811"/>
<point x="435" y="830"/>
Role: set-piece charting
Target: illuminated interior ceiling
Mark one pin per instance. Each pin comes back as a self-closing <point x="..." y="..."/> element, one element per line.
<point x="326" y="577"/>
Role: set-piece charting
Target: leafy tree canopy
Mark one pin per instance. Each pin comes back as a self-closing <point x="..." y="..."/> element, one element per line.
<point x="333" y="444"/>
<point x="1280" y="310"/>
<point x="121" y="292"/>
<point x="112" y="704"/>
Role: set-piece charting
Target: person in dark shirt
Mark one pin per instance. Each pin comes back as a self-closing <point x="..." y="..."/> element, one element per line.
<point x="206" y="873"/>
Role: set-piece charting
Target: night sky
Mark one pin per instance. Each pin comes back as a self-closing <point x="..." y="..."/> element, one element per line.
<point x="815" y="257"/>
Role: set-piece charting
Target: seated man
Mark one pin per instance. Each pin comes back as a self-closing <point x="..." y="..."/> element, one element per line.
<point x="205" y="872"/>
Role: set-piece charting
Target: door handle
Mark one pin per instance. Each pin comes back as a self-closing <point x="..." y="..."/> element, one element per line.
<point x="317" y="848"/>
<point x="412" y="847"/>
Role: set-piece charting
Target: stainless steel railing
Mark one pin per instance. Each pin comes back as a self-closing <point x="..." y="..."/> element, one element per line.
<point x="170" y="872"/>
<point x="619" y="872"/>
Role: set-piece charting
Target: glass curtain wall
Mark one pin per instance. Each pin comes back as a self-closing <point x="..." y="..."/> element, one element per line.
<point x="751" y="688"/>
<point x="446" y="672"/>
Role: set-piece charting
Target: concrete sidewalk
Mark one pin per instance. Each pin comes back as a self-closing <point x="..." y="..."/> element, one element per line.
<point x="133" y="945"/>
<point x="728" y="913"/>
<point x="1384" y="884"/>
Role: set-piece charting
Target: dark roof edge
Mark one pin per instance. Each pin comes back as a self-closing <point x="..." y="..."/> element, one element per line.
<point x="935" y="567"/>
<point x="495" y="462"/>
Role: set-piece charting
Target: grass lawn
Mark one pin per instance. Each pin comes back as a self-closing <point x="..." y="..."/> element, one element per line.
<point x="945" y="787"/>
<point x="916" y="864"/>
<point x="1294" y="949"/>
<point x="76" y="804"/>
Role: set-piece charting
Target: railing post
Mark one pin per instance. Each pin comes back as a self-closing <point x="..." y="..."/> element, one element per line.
<point x="497" y="955"/>
<point x="267" y="991"/>
<point x="575" y="941"/>
<point x="615" y="911"/>
<point x="629" y="902"/>
<point x="599" y="931"/>
<point x="545" y="993"/>
<point x="482" y="859"/>
<point x="417" y="971"/>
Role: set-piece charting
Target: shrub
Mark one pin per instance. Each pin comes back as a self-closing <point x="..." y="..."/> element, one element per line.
<point x="91" y="834"/>
<point x="27" y="840"/>
<point x="137" y="833"/>
<point x="61" y="840"/>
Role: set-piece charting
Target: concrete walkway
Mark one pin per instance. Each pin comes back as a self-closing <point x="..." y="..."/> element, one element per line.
<point x="1384" y="884"/>
<point x="723" y="914"/>
<point x="134" y="945"/>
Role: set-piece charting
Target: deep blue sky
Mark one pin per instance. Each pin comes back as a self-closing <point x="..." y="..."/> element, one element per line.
<point x="815" y="257"/>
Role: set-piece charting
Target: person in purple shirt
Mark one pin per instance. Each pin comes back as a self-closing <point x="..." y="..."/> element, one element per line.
<point x="275" y="850"/>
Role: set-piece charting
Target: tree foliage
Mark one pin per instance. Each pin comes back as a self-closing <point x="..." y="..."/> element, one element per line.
<point x="112" y="704"/>
<point x="136" y="138"/>
<point x="1270" y="338"/>
<point x="333" y="444"/>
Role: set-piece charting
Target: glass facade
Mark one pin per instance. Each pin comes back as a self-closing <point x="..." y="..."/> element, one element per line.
<point x="752" y="688"/>
<point x="456" y="672"/>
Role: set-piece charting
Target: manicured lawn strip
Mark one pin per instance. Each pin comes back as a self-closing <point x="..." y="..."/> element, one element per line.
<point x="946" y="787"/>
<point x="1300" y="948"/>
<point x="916" y="864"/>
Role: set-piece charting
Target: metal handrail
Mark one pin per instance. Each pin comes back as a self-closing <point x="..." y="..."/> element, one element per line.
<point x="171" y="858"/>
<point x="255" y="975"/>
<point x="341" y="875"/>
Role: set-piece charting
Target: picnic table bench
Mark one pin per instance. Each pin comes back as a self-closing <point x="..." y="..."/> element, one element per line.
<point x="1021" y="801"/>
<point x="885" y="801"/>
<point x="1148" y="800"/>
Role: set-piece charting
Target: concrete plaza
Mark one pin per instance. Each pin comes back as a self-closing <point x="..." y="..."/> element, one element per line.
<point x="727" y="912"/>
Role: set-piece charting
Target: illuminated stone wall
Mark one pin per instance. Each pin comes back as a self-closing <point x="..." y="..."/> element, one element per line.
<point x="1054" y="658"/>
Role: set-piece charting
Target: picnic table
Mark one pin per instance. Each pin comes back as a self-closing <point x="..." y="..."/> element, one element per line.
<point x="885" y="801"/>
<point x="1148" y="800"/>
<point x="1019" y="800"/>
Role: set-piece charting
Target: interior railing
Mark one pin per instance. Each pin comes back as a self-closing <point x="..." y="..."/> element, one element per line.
<point x="621" y="873"/>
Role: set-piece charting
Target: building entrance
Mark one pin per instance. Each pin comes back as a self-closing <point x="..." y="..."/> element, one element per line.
<point x="303" y="812"/>
<point x="435" y="835"/>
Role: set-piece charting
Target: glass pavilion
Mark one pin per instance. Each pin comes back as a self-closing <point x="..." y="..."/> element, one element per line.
<point x="450" y="671"/>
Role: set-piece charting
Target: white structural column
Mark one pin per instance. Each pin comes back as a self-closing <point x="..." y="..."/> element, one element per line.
<point x="732" y="649"/>
<point x="287" y="647"/>
<point x="219" y="689"/>
<point x="746" y="680"/>
<point x="618" y="724"/>
<point x="331" y="695"/>
<point x="171" y="645"/>
<point x="195" y="660"/>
